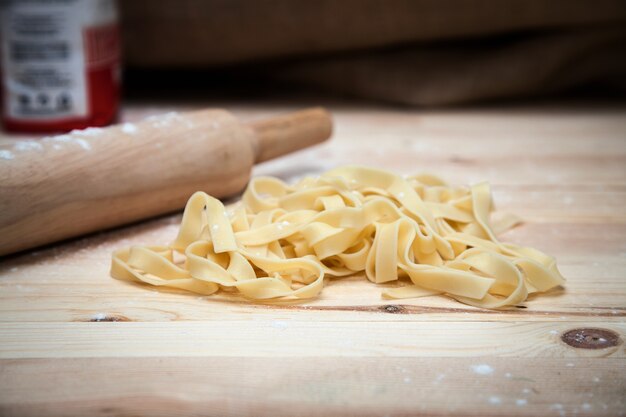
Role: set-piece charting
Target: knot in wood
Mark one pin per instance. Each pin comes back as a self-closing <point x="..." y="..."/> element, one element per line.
<point x="591" y="338"/>
<point x="393" y="309"/>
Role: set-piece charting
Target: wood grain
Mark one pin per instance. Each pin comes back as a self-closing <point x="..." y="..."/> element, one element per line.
<point x="292" y="338"/>
<point x="349" y="352"/>
<point x="313" y="386"/>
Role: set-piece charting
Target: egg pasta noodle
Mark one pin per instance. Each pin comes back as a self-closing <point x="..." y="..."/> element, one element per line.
<point x="281" y="241"/>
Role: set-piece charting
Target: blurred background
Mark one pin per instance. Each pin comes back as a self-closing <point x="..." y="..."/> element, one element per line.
<point x="419" y="53"/>
<point x="408" y="52"/>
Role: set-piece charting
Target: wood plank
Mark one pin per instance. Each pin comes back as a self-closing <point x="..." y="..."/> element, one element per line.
<point x="313" y="386"/>
<point x="295" y="338"/>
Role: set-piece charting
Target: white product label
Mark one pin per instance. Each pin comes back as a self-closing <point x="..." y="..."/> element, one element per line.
<point x="43" y="59"/>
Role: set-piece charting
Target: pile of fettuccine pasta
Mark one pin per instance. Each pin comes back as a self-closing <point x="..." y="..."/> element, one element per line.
<point x="283" y="241"/>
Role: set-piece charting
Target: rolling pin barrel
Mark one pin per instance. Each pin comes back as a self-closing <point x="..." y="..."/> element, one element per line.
<point x="68" y="185"/>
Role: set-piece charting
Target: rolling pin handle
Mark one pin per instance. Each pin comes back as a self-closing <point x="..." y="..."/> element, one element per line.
<point x="287" y="133"/>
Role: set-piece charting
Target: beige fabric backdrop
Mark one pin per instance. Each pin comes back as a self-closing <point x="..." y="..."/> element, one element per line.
<point x="423" y="52"/>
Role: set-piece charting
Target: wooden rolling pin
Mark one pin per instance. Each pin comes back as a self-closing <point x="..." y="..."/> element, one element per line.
<point x="64" y="186"/>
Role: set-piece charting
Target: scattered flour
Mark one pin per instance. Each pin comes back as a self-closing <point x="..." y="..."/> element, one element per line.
<point x="4" y="154"/>
<point x="278" y="324"/>
<point x="99" y="316"/>
<point x="482" y="369"/>
<point x="59" y="138"/>
<point x="70" y="138"/>
<point x="129" y="128"/>
<point x="27" y="145"/>
<point x="163" y="120"/>
<point x="495" y="400"/>
<point x="90" y="131"/>
<point x="167" y="119"/>
<point x="83" y="144"/>
<point x="520" y="402"/>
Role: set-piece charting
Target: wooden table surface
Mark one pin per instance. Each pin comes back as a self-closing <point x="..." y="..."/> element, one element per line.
<point x="74" y="342"/>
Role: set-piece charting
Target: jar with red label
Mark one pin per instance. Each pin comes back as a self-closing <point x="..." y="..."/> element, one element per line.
<point x="60" y="64"/>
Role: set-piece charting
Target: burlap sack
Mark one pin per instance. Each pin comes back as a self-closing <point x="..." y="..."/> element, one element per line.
<point x="421" y="52"/>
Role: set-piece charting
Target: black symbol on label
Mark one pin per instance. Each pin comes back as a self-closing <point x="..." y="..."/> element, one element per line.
<point x="42" y="99"/>
<point x="64" y="101"/>
<point x="24" y="100"/>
